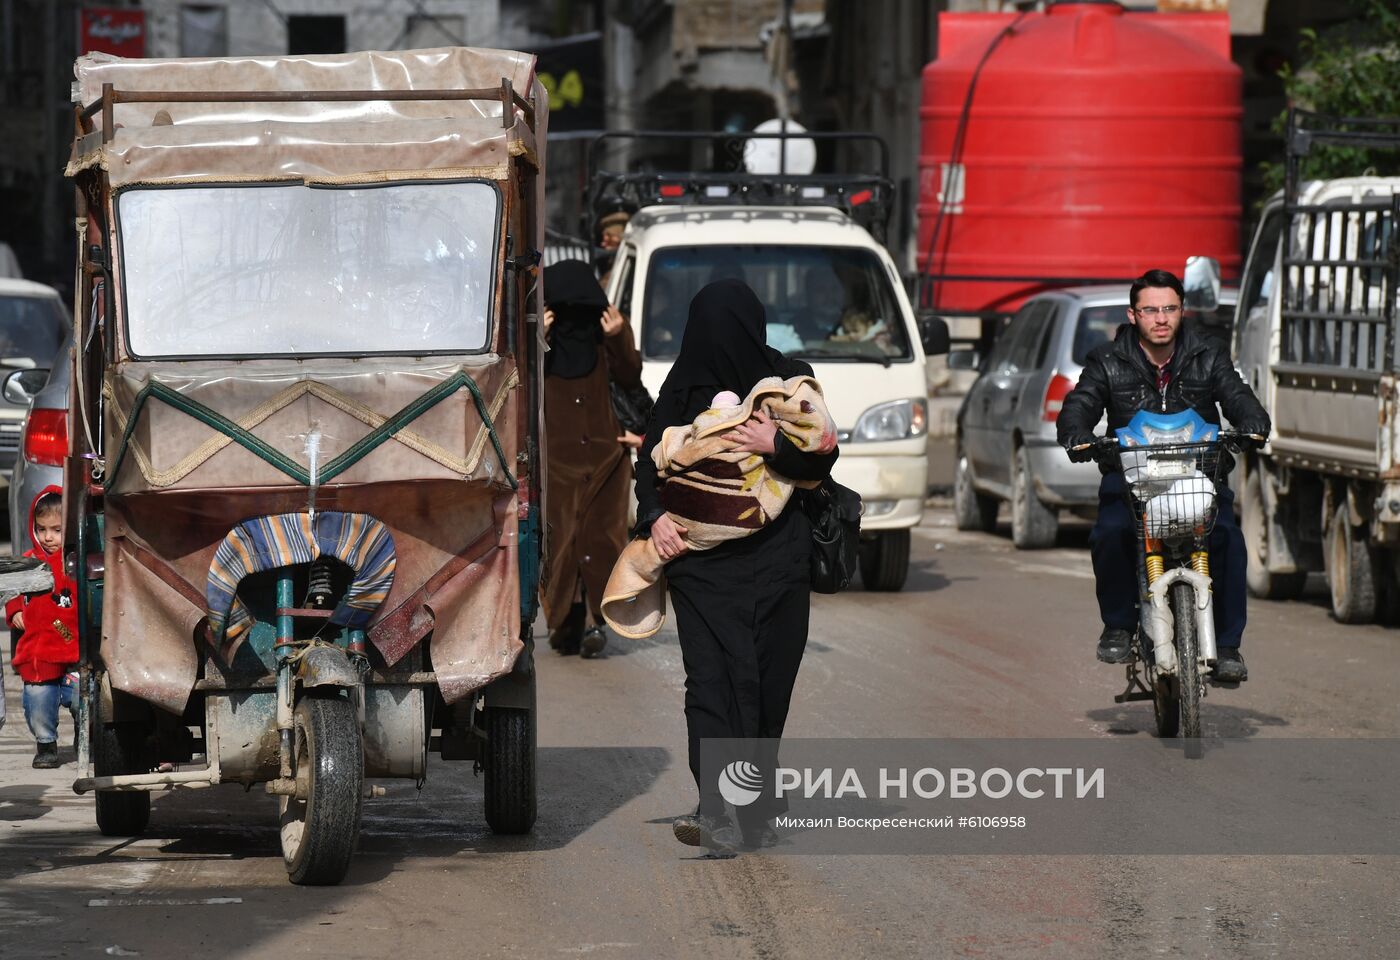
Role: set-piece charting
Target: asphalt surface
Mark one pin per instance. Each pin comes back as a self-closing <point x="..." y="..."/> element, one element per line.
<point x="983" y="642"/>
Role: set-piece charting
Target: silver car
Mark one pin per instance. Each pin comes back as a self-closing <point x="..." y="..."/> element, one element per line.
<point x="33" y="322"/>
<point x="1006" y="425"/>
<point x="45" y="438"/>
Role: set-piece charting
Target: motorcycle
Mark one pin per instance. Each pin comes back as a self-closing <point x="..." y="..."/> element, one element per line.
<point x="1171" y="470"/>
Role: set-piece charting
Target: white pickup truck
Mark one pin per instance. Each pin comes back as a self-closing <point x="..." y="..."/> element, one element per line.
<point x="1315" y="336"/>
<point x="834" y="299"/>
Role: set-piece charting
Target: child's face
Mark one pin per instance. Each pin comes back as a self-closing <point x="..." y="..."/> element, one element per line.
<point x="48" y="530"/>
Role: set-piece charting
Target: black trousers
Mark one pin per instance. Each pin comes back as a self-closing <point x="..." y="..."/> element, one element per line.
<point x="742" y="615"/>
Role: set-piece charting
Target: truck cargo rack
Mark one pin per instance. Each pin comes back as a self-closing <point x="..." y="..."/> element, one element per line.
<point x="1340" y="262"/>
<point x="867" y="198"/>
<point x="1307" y="130"/>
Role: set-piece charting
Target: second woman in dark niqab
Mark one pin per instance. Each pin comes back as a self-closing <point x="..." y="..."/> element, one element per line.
<point x="577" y="301"/>
<point x="741" y="608"/>
<point x="588" y="469"/>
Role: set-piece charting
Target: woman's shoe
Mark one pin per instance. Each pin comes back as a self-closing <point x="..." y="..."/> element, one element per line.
<point x="566" y="639"/>
<point x="712" y="833"/>
<point x="761" y="837"/>
<point x="46" y="757"/>
<point x="595" y="638"/>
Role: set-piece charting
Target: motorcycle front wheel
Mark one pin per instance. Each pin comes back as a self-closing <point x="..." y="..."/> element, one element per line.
<point x="1166" y="695"/>
<point x="1166" y="706"/>
<point x="318" y="833"/>
<point x="1188" y="673"/>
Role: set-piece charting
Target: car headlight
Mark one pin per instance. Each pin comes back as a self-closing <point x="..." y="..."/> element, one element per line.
<point x="898" y="420"/>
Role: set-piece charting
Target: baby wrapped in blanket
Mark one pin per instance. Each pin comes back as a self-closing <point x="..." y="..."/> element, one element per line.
<point x="714" y="492"/>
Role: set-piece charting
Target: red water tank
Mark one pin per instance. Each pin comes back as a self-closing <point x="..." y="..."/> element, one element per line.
<point x="1098" y="144"/>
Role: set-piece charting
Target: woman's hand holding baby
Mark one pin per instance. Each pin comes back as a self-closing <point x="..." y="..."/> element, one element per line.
<point x="757" y="435"/>
<point x="666" y="536"/>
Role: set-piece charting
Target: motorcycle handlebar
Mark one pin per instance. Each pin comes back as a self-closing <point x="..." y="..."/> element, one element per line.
<point x="1233" y="440"/>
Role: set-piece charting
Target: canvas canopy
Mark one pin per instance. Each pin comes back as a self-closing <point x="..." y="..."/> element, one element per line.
<point x="315" y="141"/>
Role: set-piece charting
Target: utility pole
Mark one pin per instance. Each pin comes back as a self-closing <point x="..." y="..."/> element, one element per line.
<point x="784" y="59"/>
<point x="51" y="203"/>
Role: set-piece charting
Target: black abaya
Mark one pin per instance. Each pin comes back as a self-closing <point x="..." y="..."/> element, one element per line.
<point x="742" y="607"/>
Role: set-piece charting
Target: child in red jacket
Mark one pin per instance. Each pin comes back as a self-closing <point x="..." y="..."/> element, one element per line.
<point x="47" y="647"/>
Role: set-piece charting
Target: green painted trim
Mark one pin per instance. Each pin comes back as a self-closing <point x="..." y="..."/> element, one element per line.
<point x="290" y="467"/>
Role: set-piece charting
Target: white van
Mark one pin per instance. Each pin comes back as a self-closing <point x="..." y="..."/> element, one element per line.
<point x="835" y="300"/>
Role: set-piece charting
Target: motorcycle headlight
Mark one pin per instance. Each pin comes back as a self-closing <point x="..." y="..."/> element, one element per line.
<point x="898" y="420"/>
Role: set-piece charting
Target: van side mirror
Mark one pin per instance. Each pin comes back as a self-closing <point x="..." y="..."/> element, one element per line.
<point x="964" y="360"/>
<point x="1202" y="283"/>
<point x="21" y="386"/>
<point x="933" y="332"/>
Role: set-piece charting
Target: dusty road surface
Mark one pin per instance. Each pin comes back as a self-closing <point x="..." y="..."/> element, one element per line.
<point x="984" y="642"/>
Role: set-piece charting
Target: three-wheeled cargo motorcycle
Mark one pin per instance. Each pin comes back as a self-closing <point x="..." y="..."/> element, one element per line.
<point x="302" y="501"/>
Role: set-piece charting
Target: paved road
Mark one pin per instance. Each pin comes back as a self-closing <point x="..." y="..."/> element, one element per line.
<point x="985" y="642"/>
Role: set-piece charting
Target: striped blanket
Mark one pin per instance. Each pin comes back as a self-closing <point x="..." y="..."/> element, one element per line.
<point x="264" y="543"/>
<point x="715" y="492"/>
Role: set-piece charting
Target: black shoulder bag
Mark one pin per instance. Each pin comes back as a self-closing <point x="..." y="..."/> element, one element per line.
<point x="835" y="514"/>
<point x="631" y="405"/>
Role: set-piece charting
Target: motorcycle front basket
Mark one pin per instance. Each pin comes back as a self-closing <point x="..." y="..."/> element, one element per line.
<point x="1171" y="488"/>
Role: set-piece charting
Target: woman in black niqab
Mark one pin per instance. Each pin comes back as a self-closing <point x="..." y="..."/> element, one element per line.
<point x="724" y="344"/>
<point x="741" y="608"/>
<point x="586" y="502"/>
<point x="577" y="301"/>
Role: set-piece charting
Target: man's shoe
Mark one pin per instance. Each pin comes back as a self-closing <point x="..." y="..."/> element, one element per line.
<point x="595" y="638"/>
<point x="1115" y="645"/>
<point x="712" y="833"/>
<point x="1229" y="666"/>
<point x="46" y="757"/>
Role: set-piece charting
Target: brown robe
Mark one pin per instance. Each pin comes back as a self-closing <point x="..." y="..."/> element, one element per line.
<point x="589" y="477"/>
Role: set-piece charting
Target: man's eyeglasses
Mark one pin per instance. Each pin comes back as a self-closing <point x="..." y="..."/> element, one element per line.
<point x="1170" y="310"/>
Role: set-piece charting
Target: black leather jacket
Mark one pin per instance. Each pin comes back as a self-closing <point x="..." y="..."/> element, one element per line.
<point x="1118" y="378"/>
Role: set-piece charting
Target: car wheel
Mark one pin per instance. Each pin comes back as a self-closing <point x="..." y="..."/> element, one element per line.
<point x="971" y="510"/>
<point x="884" y="562"/>
<point x="1033" y="524"/>
<point x="1254" y="524"/>
<point x="1350" y="569"/>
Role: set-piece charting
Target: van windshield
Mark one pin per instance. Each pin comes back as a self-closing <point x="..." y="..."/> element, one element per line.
<point x="296" y="270"/>
<point x="31" y="329"/>
<point x="823" y="303"/>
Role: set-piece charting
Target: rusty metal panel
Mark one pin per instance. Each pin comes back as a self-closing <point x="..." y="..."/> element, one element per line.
<point x="147" y="632"/>
<point x="476" y="621"/>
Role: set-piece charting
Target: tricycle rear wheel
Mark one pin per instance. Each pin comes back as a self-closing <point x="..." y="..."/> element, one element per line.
<point x="319" y="832"/>
<point x="116" y="751"/>
<point x="509" y="765"/>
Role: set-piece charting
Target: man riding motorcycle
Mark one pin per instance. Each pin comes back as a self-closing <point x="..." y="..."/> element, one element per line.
<point x="1155" y="364"/>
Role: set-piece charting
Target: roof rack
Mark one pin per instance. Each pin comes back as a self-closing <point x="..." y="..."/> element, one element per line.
<point x="111" y="96"/>
<point x="1307" y="130"/>
<point x="866" y="197"/>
